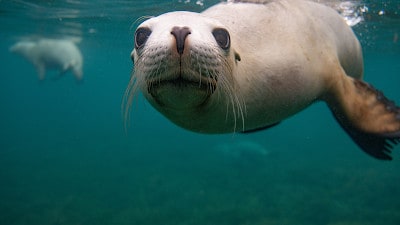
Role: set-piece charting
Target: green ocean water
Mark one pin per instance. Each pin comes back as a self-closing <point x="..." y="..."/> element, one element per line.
<point x="65" y="158"/>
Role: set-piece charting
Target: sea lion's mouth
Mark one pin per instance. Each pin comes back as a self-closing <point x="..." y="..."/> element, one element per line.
<point x="180" y="83"/>
<point x="181" y="92"/>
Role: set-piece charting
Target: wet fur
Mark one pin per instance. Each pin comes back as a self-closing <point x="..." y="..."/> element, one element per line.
<point x="307" y="53"/>
<point x="140" y="79"/>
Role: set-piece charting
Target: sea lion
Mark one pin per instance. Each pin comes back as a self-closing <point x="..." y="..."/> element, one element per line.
<point x="58" y="54"/>
<point x="243" y="66"/>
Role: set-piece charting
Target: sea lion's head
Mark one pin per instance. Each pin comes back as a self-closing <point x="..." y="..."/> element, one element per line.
<point x="181" y="60"/>
<point x="23" y="48"/>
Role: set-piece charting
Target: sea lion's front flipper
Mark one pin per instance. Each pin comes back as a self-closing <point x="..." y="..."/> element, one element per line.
<point x="41" y="70"/>
<point x="371" y="119"/>
<point x="260" y="128"/>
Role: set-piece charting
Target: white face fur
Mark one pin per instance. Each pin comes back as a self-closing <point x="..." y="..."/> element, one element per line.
<point x="181" y="60"/>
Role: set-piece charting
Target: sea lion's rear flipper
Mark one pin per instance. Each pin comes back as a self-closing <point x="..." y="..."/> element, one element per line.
<point x="372" y="120"/>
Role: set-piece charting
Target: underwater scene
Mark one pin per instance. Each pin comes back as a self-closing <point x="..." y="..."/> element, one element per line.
<point x="69" y="157"/>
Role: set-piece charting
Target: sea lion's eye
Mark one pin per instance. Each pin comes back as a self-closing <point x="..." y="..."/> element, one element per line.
<point x="222" y="37"/>
<point x="141" y="36"/>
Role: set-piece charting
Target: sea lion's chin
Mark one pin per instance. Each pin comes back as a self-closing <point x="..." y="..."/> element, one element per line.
<point x="181" y="93"/>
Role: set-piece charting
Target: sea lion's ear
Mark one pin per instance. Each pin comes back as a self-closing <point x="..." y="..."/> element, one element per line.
<point x="372" y="120"/>
<point x="237" y="56"/>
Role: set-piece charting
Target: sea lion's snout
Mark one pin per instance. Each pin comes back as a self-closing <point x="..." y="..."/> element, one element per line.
<point x="180" y="34"/>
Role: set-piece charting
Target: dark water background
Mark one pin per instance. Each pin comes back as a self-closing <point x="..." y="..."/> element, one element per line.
<point x="65" y="158"/>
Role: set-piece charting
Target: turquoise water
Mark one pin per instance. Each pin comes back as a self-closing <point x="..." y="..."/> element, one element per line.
<point x="65" y="158"/>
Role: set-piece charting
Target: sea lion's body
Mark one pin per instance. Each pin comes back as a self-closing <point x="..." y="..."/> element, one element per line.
<point x="284" y="56"/>
<point x="58" y="54"/>
<point x="245" y="66"/>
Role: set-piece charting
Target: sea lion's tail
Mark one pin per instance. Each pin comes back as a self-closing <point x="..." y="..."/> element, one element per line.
<point x="371" y="119"/>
